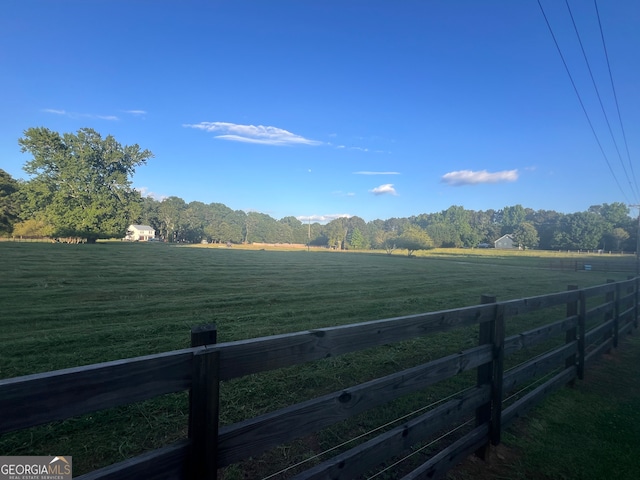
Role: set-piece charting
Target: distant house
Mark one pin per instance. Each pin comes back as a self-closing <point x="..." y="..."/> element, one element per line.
<point x="506" y="242"/>
<point x="140" y="233"/>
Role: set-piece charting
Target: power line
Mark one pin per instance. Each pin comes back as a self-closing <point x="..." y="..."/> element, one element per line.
<point x="595" y="86"/>
<point x="615" y="96"/>
<point x="584" y="110"/>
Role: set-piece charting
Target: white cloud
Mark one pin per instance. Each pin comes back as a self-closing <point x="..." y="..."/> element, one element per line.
<point x="386" y="189"/>
<point x="340" y="193"/>
<point x="80" y="115"/>
<point x="260" y="134"/>
<point x="322" y="218"/>
<point x="376" y="173"/>
<point x="137" y="113"/>
<point x="469" y="177"/>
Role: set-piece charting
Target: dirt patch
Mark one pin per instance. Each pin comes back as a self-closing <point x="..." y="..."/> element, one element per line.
<point x="499" y="464"/>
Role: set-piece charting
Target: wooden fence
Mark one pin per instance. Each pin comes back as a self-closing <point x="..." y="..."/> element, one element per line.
<point x="595" y="318"/>
<point x="595" y="265"/>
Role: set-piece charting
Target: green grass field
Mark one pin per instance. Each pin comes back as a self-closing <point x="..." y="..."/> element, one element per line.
<point x="71" y="305"/>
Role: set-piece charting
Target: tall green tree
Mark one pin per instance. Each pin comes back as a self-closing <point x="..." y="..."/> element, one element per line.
<point x="547" y="224"/>
<point x="582" y="230"/>
<point x="526" y="235"/>
<point x="8" y="202"/>
<point x="414" y="238"/>
<point x="81" y="183"/>
<point x="512" y="217"/>
<point x="336" y="233"/>
<point x="171" y="216"/>
<point x="357" y="240"/>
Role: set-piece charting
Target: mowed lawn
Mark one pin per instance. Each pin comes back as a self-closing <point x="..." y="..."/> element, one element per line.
<point x="69" y="305"/>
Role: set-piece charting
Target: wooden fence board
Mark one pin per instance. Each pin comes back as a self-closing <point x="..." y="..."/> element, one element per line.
<point x="627" y="299"/>
<point x="598" y="290"/>
<point x="45" y="397"/>
<point x="599" y="350"/>
<point x="522" y="405"/>
<point x="166" y="463"/>
<point x="440" y="463"/>
<point x="598" y="331"/>
<point x="253" y="436"/>
<point x="359" y="460"/>
<point x="538" y="366"/>
<point x="626" y="328"/>
<point x="538" y="335"/>
<point x="600" y="310"/>
<point x="533" y="304"/>
<point x="256" y="355"/>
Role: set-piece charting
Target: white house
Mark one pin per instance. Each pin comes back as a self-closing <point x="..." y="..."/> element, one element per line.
<point x="140" y="233"/>
<point x="506" y="242"/>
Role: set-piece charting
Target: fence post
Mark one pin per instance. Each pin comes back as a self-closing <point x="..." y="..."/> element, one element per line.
<point x="485" y="372"/>
<point x="571" y="335"/>
<point x="498" y="374"/>
<point x="204" y="402"/>
<point x="582" y="317"/>
<point x="616" y="316"/>
<point x="610" y="297"/>
<point x="204" y="335"/>
<point x="636" y="299"/>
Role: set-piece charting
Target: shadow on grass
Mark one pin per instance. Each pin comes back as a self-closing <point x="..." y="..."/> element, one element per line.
<point x="589" y="432"/>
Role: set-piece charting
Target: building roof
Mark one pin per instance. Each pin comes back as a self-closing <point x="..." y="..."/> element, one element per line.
<point x="141" y="227"/>
<point x="508" y="235"/>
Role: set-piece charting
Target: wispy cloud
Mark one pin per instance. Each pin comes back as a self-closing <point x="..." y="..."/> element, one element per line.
<point x="469" y="177"/>
<point x="79" y="115"/>
<point x="260" y="134"/>
<point x="322" y="218"/>
<point x="136" y="113"/>
<point x="340" y="193"/>
<point x="376" y="173"/>
<point x="386" y="189"/>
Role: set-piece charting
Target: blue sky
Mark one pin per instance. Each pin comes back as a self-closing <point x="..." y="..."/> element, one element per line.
<point x="323" y="108"/>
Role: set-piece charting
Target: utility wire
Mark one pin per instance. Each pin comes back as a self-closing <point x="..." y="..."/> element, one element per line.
<point x="615" y="96"/>
<point x="584" y="110"/>
<point x="362" y="435"/>
<point x="595" y="86"/>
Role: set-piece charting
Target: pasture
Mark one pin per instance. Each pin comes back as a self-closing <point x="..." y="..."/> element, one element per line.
<point x="65" y="305"/>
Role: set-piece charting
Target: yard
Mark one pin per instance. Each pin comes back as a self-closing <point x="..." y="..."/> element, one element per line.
<point x="65" y="306"/>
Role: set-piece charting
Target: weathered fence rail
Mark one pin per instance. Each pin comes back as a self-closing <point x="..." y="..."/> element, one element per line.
<point x="595" y="318"/>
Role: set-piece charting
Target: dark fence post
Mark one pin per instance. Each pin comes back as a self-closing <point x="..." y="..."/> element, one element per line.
<point x="636" y="299"/>
<point x="582" y="317"/>
<point x="610" y="297"/>
<point x="631" y="290"/>
<point x="571" y="335"/>
<point x="616" y="315"/>
<point x="485" y="372"/>
<point x="498" y="374"/>
<point x="204" y="335"/>
<point x="204" y="403"/>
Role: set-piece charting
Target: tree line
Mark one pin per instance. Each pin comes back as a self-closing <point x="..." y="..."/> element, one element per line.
<point x="80" y="186"/>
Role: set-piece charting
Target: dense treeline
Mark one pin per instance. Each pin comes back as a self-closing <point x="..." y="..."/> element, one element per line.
<point x="607" y="227"/>
<point x="80" y="186"/>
